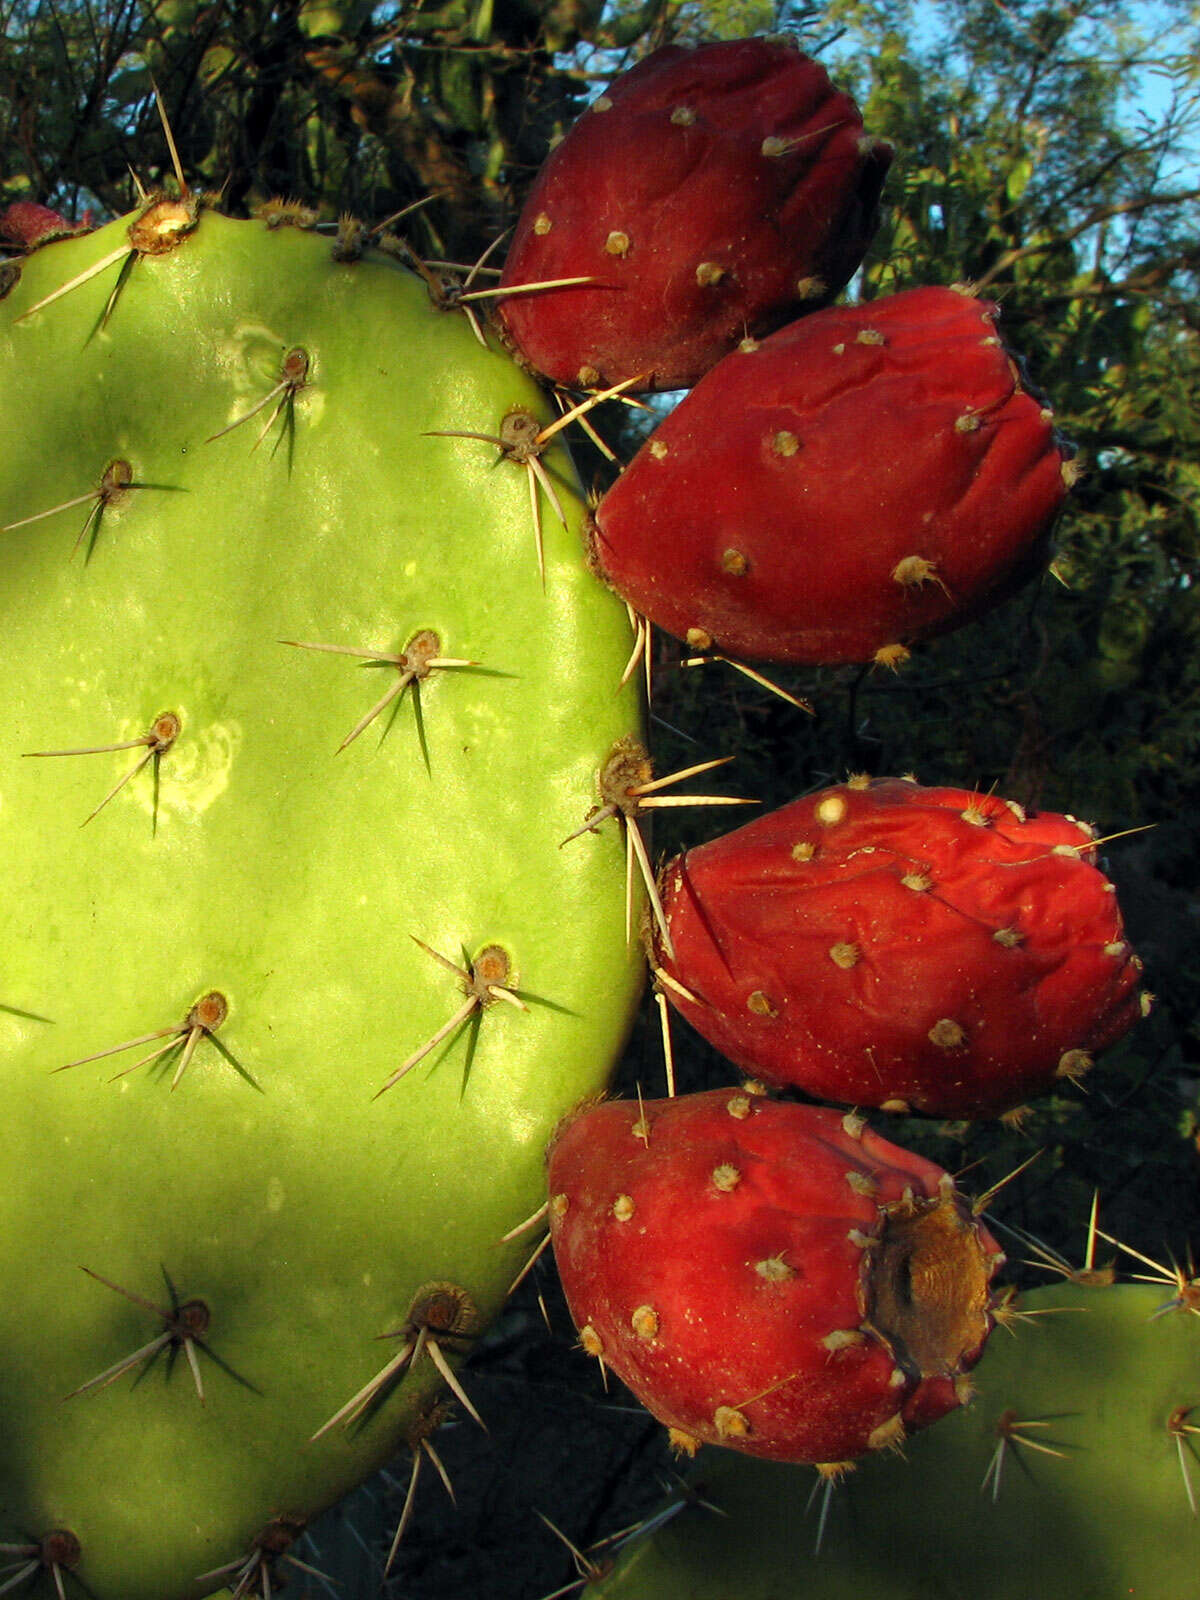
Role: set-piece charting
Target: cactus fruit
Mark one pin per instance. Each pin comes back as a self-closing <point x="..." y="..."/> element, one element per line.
<point x="868" y="476"/>
<point x="768" y="1276"/>
<point x="880" y="943"/>
<point x="25" y="225"/>
<point x="707" y="194"/>
<point x="228" y="544"/>
<point x="1074" y="1473"/>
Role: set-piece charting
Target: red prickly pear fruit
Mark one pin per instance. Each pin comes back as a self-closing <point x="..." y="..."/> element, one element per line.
<point x="773" y="1277"/>
<point x="25" y="225"/>
<point x="709" y="193"/>
<point x="884" y="944"/>
<point x="868" y="476"/>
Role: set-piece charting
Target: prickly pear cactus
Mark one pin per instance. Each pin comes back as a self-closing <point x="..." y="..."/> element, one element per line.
<point x="296" y="977"/>
<point x="1081" y="1441"/>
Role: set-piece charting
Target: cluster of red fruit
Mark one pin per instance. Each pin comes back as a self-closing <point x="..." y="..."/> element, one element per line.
<point x="840" y="482"/>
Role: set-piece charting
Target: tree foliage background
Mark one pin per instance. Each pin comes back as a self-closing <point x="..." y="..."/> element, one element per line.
<point x="1047" y="151"/>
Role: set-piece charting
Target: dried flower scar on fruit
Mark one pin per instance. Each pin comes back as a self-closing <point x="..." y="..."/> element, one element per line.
<point x="771" y="1277"/>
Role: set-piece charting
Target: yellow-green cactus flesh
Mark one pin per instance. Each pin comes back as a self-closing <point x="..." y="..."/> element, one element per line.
<point x="241" y="454"/>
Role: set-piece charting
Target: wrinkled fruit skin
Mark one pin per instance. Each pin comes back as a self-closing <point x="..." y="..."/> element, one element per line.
<point x="884" y="944"/>
<point x="728" y="1257"/>
<point x="709" y="193"/>
<point x="865" y="477"/>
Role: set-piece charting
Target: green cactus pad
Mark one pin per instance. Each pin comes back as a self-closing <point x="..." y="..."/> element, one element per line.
<point x="1074" y="1473"/>
<point x="236" y="449"/>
